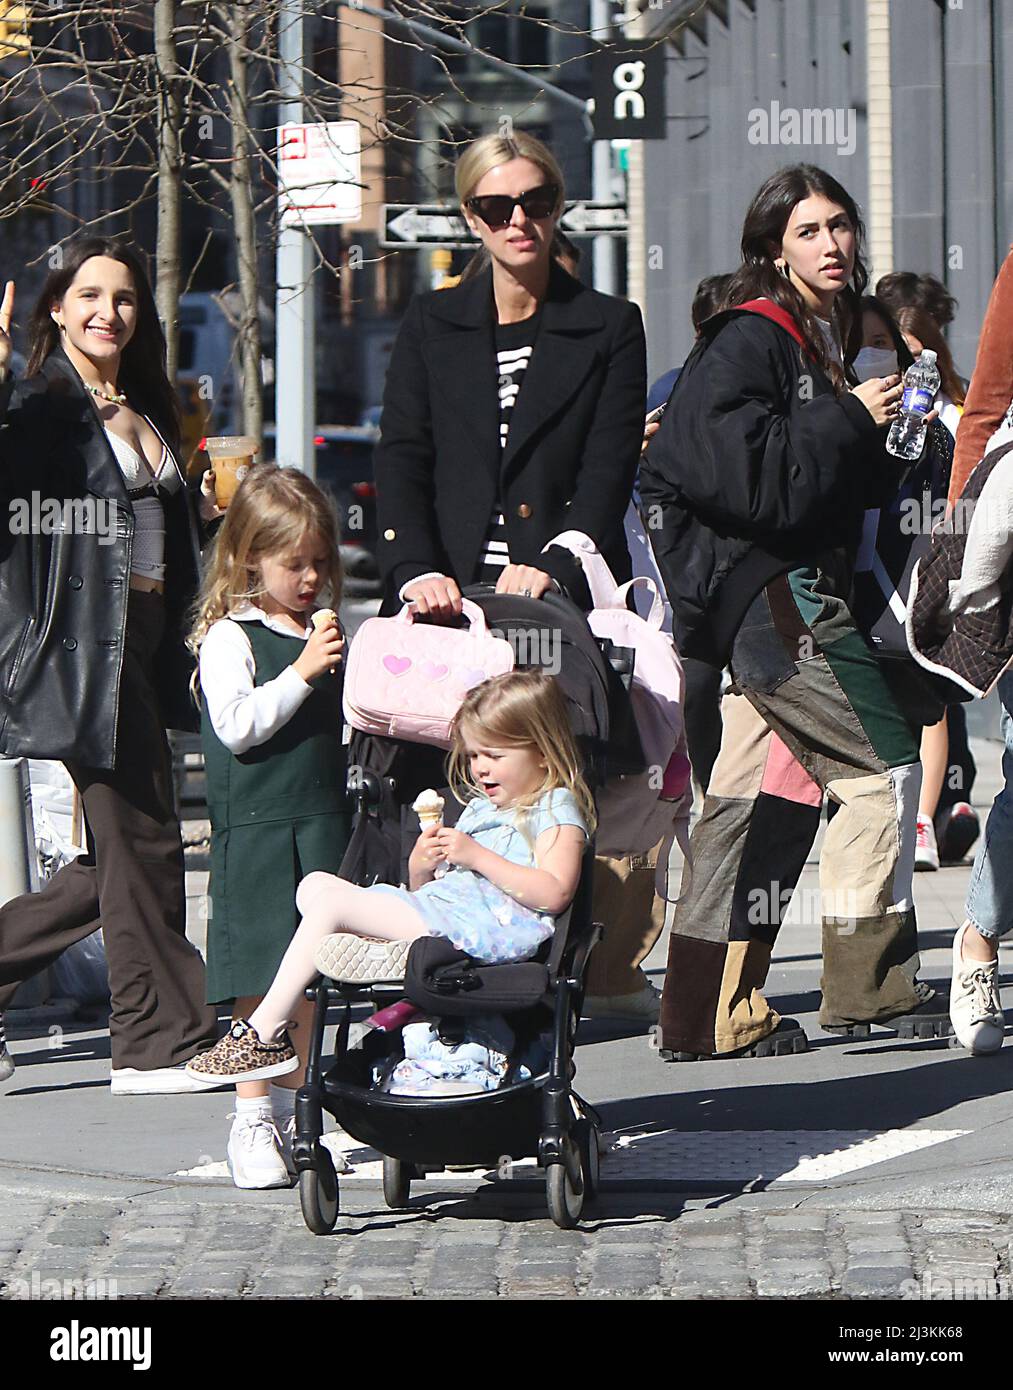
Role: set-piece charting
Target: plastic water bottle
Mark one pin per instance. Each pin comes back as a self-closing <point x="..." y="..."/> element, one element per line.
<point x="906" y="439"/>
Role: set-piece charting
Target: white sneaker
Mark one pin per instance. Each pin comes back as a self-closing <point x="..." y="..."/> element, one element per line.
<point x="6" y="1060"/>
<point x="643" y="1006"/>
<point x="159" y="1081"/>
<point x="975" y="1008"/>
<point x="926" y="852"/>
<point x="286" y="1131"/>
<point x="255" y="1155"/>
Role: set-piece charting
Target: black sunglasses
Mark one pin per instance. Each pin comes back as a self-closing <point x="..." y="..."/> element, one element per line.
<point x="496" y="209"/>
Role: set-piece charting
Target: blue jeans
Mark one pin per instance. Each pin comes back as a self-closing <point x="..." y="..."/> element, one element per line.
<point x="990" y="895"/>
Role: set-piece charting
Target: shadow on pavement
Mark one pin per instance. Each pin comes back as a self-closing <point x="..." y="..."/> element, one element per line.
<point x="874" y="1101"/>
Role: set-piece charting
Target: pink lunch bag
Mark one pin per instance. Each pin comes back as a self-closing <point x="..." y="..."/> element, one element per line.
<point x="406" y="679"/>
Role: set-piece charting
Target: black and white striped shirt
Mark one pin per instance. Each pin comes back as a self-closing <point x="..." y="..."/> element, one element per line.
<point x="514" y="345"/>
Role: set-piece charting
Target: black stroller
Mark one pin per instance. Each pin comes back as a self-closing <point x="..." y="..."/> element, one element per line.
<point x="541" y="1115"/>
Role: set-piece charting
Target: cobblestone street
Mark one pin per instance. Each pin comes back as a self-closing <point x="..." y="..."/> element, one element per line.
<point x="868" y="1170"/>
<point x="150" y="1247"/>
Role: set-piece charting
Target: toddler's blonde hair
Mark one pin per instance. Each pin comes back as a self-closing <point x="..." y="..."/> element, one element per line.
<point x="523" y="709"/>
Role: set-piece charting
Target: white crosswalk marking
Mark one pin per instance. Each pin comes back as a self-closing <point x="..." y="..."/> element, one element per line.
<point x="673" y="1156"/>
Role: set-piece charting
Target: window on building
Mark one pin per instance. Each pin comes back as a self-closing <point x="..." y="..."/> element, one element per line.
<point x="533" y="39"/>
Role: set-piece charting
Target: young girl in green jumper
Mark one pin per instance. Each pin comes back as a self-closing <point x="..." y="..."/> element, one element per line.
<point x="271" y="730"/>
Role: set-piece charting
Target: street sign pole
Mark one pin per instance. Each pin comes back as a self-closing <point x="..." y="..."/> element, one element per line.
<point x="603" y="254"/>
<point x="295" y="366"/>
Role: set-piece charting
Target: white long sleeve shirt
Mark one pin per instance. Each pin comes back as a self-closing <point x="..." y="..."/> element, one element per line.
<point x="243" y="714"/>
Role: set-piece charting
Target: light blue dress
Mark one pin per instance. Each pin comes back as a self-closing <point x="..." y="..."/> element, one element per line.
<point x="473" y="913"/>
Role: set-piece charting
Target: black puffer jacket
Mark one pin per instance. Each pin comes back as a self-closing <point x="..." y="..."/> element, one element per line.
<point x="757" y="467"/>
<point x="63" y="596"/>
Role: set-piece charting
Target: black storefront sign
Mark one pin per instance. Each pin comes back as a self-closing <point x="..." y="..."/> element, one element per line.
<point x="628" y="85"/>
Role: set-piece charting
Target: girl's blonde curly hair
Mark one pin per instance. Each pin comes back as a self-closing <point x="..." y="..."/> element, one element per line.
<point x="272" y="511"/>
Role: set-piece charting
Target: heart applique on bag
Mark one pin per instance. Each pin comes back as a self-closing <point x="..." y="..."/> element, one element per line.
<point x="406" y="679"/>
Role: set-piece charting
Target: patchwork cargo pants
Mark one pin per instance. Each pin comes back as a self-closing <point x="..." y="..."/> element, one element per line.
<point x="802" y="672"/>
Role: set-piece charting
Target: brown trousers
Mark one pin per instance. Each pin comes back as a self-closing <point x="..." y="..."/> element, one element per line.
<point x="130" y="882"/>
<point x="632" y="916"/>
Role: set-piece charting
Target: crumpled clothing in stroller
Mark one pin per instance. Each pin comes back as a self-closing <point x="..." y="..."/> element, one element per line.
<point x="433" y="1067"/>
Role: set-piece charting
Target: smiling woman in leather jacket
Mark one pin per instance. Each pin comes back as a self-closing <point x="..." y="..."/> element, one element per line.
<point x="98" y="565"/>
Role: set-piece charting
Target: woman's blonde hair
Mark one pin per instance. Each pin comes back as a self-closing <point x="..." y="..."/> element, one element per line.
<point x="489" y="151"/>
<point x="272" y="511"/>
<point x="523" y="709"/>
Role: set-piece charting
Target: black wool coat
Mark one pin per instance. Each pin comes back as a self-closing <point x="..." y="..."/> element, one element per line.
<point x="573" y="446"/>
<point x="63" y="596"/>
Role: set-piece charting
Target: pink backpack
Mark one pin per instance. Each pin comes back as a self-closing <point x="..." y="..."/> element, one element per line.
<point x="635" y="812"/>
<point x="407" y="680"/>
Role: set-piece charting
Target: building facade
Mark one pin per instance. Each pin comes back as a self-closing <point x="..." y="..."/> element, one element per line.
<point x="906" y="102"/>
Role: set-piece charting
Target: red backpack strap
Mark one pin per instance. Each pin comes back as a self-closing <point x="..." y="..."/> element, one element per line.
<point x="777" y="315"/>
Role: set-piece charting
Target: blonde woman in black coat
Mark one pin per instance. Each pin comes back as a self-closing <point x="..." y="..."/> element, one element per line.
<point x="514" y="405"/>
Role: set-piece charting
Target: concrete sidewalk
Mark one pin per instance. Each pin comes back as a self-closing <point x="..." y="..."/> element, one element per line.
<point x="850" y="1170"/>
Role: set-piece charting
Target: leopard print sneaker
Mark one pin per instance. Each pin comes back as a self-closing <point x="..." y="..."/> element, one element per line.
<point x="241" y="1056"/>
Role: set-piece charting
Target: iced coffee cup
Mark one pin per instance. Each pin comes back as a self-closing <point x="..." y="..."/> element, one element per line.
<point x="231" y="456"/>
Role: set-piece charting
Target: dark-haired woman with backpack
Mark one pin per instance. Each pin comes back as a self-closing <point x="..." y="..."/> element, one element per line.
<point x="93" y="665"/>
<point x="763" y="468"/>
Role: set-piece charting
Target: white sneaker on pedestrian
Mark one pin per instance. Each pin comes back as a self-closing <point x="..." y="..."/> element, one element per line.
<point x="286" y="1133"/>
<point x="286" y="1130"/>
<point x="159" y="1081"/>
<point x="975" y="1007"/>
<point x="6" y="1060"/>
<point x="642" y="1006"/>
<point x="255" y="1154"/>
<point x="926" y="852"/>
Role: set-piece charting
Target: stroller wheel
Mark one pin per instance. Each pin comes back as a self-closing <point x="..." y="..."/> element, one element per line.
<point x="397" y="1182"/>
<point x="566" y="1196"/>
<point x="318" y="1195"/>
<point x="585" y="1136"/>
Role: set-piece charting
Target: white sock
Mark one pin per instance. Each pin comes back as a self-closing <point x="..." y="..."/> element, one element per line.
<point x="249" y="1105"/>
<point x="282" y="1102"/>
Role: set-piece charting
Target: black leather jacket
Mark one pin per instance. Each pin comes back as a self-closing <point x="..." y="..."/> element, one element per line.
<point x="63" y="593"/>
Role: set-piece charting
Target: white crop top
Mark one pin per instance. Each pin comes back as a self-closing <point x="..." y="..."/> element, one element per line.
<point x="147" y="557"/>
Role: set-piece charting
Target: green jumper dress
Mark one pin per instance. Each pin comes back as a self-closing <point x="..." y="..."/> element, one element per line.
<point x="278" y="813"/>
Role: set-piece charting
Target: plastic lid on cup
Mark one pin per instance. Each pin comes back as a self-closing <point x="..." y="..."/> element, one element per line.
<point x="231" y="446"/>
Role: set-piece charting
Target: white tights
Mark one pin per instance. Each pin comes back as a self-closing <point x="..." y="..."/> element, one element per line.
<point x="329" y="904"/>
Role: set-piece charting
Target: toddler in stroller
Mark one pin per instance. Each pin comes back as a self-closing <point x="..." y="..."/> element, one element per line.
<point x="514" y="857"/>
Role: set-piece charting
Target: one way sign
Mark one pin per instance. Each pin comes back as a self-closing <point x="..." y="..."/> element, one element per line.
<point x="416" y="225"/>
<point x="592" y="219"/>
<point x="424" y="224"/>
